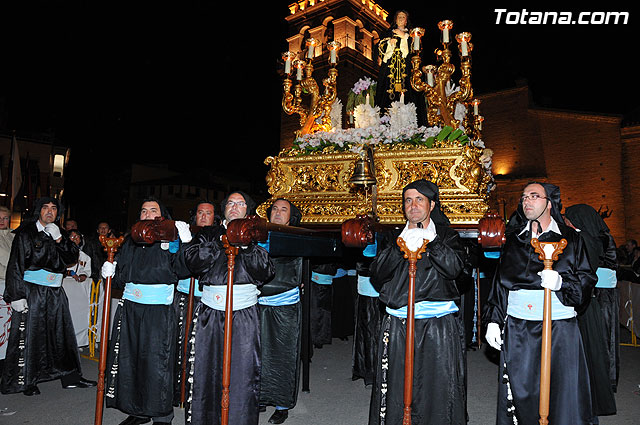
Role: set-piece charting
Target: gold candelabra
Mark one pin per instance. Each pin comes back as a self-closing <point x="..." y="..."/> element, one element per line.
<point x="441" y="100"/>
<point x="316" y="115"/>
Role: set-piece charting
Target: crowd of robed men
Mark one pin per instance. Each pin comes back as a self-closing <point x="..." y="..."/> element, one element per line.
<point x="143" y="376"/>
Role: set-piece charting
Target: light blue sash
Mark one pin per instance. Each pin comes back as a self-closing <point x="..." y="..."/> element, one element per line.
<point x="528" y="304"/>
<point x="43" y="278"/>
<point x="340" y="273"/>
<point x="426" y="309"/>
<point x="606" y="278"/>
<point x="365" y="288"/>
<point x="321" y="279"/>
<point x="185" y="284"/>
<point x="160" y="293"/>
<point x="244" y="296"/>
<point x="370" y="250"/>
<point x="292" y="296"/>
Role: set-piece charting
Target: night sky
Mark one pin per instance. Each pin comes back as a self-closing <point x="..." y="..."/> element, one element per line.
<point x="196" y="83"/>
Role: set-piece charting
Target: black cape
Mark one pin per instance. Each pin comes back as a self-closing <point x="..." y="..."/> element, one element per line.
<point x="206" y="258"/>
<point x="439" y="342"/>
<point x="520" y="355"/>
<point x="142" y="348"/>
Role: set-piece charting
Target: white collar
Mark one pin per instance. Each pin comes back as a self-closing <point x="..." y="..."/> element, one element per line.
<point x="39" y="226"/>
<point x="431" y="227"/>
<point x="552" y="227"/>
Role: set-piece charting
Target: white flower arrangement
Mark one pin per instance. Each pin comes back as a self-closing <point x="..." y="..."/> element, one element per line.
<point x="366" y="115"/>
<point x="402" y="115"/>
<point x="336" y="115"/>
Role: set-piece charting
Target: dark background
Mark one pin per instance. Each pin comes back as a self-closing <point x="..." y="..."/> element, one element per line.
<point x="196" y="84"/>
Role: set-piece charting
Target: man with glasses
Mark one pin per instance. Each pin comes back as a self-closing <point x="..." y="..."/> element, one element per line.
<point x="207" y="259"/>
<point x="515" y="307"/>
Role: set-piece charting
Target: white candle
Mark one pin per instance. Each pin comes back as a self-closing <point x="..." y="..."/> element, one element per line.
<point x="445" y="35"/>
<point x="311" y="51"/>
<point x="464" y="49"/>
<point x="402" y="98"/>
<point x="287" y="66"/>
<point x="475" y="107"/>
<point x="416" y="43"/>
<point x="367" y="99"/>
<point x="332" y="59"/>
<point x="299" y="74"/>
<point x="430" y="78"/>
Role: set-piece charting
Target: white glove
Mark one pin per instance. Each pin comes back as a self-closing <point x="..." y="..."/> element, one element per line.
<point x="493" y="336"/>
<point x="108" y="269"/>
<point x="551" y="279"/>
<point x="19" y="305"/>
<point x="183" y="231"/>
<point x="52" y="230"/>
<point x="413" y="238"/>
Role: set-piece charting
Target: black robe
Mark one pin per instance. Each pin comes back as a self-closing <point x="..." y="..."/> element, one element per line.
<point x="570" y="400"/>
<point x="281" y="337"/>
<point x="142" y="349"/>
<point x="206" y="257"/>
<point x="48" y="340"/>
<point x="438" y="398"/>
<point x="368" y="317"/>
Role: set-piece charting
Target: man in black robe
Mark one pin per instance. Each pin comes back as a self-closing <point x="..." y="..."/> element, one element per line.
<point x="280" y="323"/>
<point x="142" y="348"/>
<point x="207" y="259"/>
<point x="203" y="215"/>
<point x="439" y="363"/>
<point x="40" y="255"/>
<point x="514" y="314"/>
<point x="599" y="324"/>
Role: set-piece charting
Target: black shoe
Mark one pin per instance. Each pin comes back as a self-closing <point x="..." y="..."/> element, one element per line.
<point x="80" y="383"/>
<point x="34" y="390"/>
<point x="132" y="420"/>
<point x="262" y="408"/>
<point x="279" y="416"/>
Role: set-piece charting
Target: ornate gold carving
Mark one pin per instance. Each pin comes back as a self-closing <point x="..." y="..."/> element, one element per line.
<point x="318" y="183"/>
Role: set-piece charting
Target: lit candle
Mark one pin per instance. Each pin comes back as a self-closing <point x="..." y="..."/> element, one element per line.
<point x="299" y="65"/>
<point x="367" y="99"/>
<point x="334" y="46"/>
<point x="480" y="119"/>
<point x="416" y="35"/>
<point x="445" y="26"/>
<point x="311" y="44"/>
<point x="286" y="56"/>
<point x="402" y="98"/>
<point x="463" y="39"/>
<point x="475" y="103"/>
<point x="429" y="70"/>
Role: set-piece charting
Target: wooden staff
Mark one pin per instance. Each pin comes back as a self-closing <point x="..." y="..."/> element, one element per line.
<point x="111" y="245"/>
<point x="231" y="252"/>
<point x="185" y="343"/>
<point x="548" y="253"/>
<point x="413" y="257"/>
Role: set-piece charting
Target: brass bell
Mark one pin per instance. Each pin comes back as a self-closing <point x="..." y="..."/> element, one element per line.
<point x="362" y="173"/>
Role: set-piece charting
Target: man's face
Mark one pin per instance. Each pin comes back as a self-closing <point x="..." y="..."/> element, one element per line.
<point x="280" y="212"/>
<point x="5" y="220"/>
<point x="236" y="207"/>
<point x="103" y="229"/>
<point x="534" y="202"/>
<point x="150" y="210"/>
<point x="417" y="207"/>
<point x="70" y="224"/>
<point x="204" y="215"/>
<point x="75" y="238"/>
<point x="48" y="213"/>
